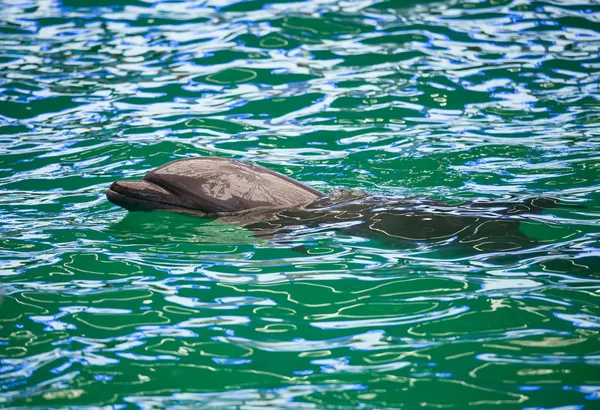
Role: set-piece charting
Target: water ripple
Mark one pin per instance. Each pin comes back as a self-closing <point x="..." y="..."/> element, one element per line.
<point x="452" y="100"/>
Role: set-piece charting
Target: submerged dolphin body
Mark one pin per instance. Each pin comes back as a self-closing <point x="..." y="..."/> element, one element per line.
<point x="483" y="226"/>
<point x="269" y="203"/>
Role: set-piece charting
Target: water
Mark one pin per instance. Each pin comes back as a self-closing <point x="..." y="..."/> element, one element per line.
<point x="445" y="100"/>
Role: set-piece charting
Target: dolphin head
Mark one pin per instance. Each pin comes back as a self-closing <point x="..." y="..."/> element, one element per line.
<point x="208" y="185"/>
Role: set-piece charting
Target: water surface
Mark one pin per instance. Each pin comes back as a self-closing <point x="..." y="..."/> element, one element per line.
<point x="449" y="100"/>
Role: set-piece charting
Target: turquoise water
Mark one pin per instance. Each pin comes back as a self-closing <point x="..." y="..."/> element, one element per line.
<point x="444" y="100"/>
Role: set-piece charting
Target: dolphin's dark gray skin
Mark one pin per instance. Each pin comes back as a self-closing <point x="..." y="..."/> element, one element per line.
<point x="207" y="185"/>
<point x="269" y="204"/>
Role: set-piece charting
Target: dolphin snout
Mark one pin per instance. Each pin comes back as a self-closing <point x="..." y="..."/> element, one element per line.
<point x="140" y="189"/>
<point x="139" y="195"/>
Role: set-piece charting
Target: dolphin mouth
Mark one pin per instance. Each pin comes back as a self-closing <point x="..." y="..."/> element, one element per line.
<point x="145" y="196"/>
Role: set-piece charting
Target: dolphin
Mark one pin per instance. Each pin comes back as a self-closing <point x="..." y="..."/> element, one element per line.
<point x="269" y="203"/>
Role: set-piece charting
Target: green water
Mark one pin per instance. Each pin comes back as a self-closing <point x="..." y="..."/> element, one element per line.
<point x="495" y="99"/>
